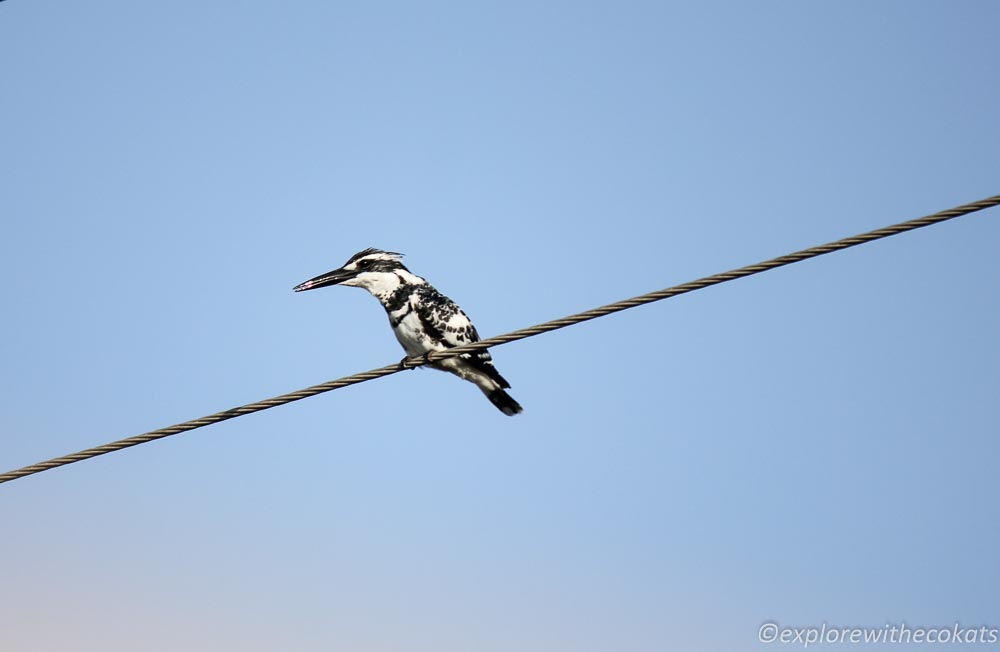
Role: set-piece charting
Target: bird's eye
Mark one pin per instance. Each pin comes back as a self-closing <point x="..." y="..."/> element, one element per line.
<point x="364" y="264"/>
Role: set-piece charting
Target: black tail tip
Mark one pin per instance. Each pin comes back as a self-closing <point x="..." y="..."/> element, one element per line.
<point x="504" y="402"/>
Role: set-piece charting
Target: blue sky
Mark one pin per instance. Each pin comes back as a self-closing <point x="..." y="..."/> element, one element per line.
<point x="815" y="444"/>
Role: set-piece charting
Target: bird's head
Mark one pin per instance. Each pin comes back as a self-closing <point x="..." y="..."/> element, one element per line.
<point x="372" y="269"/>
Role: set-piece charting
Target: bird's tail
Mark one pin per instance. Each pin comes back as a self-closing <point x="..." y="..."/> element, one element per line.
<point x="504" y="402"/>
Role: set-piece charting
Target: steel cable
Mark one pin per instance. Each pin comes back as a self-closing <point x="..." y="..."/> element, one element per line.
<point x="531" y="331"/>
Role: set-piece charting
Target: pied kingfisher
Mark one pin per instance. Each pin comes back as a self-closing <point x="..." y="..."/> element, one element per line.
<point x="423" y="319"/>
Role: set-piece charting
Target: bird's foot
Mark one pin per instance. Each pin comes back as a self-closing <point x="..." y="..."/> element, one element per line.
<point x="413" y="363"/>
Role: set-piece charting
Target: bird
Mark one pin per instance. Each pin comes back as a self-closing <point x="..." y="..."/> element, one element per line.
<point x="423" y="319"/>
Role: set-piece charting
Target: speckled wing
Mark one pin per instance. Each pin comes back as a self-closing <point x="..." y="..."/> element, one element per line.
<point x="445" y="322"/>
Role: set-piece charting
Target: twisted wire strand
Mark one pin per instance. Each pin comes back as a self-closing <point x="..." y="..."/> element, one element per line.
<point x="555" y="324"/>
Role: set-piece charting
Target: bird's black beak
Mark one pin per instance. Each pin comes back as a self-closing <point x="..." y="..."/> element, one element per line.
<point x="330" y="278"/>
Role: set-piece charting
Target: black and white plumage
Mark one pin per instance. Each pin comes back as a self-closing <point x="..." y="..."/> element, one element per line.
<point x="423" y="319"/>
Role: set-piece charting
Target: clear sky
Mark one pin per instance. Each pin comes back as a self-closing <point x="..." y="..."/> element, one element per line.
<point x="812" y="445"/>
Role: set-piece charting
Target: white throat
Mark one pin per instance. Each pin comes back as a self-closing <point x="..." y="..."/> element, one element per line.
<point x="384" y="284"/>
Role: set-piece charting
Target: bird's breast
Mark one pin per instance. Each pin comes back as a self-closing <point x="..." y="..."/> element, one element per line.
<point x="410" y="332"/>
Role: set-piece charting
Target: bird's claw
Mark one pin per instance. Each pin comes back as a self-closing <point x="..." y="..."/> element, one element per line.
<point x="413" y="363"/>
